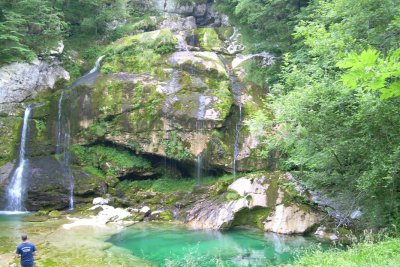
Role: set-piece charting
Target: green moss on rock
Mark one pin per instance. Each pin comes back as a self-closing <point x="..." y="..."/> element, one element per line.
<point x="208" y="39"/>
<point x="111" y="161"/>
<point x="9" y="137"/>
<point x="141" y="53"/>
<point x="254" y="217"/>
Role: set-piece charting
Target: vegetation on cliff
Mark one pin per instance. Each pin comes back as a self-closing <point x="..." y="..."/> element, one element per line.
<point x="335" y="96"/>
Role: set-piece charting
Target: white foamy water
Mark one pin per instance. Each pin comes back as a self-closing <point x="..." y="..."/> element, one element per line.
<point x="16" y="186"/>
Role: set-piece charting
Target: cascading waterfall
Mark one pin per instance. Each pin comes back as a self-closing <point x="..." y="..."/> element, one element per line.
<point x="266" y="59"/>
<point x="63" y="134"/>
<point x="182" y="45"/>
<point x="236" y="88"/>
<point x="233" y="45"/>
<point x="16" y="187"/>
<point x="63" y="143"/>
<point x="59" y="124"/>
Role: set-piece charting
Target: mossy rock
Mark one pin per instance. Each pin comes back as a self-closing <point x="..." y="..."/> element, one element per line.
<point x="166" y="216"/>
<point x="232" y="196"/>
<point x="9" y="137"/>
<point x="208" y="39"/>
<point x="141" y="53"/>
<point x="254" y="217"/>
<point x="55" y="213"/>
<point x="224" y="33"/>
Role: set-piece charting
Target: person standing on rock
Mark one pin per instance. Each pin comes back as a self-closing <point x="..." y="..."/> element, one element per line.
<point x="26" y="250"/>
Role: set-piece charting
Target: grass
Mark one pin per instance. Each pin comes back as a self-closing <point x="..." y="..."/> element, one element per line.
<point x="384" y="253"/>
<point x="169" y="185"/>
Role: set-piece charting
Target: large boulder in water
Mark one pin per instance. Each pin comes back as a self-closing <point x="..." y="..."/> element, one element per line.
<point x="256" y="200"/>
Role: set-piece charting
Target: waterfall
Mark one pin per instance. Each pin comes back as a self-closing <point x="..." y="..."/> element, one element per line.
<point x="16" y="187"/>
<point x="233" y="45"/>
<point x="236" y="88"/>
<point x="63" y="134"/>
<point x="59" y="124"/>
<point x="266" y="59"/>
<point x="182" y="45"/>
<point x="96" y="66"/>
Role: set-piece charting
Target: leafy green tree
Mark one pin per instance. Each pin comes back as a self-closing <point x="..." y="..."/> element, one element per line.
<point x="370" y="71"/>
<point x="11" y="46"/>
<point x="337" y="106"/>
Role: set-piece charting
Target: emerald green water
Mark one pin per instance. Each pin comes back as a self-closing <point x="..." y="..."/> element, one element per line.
<point x="146" y="244"/>
<point x="175" y="245"/>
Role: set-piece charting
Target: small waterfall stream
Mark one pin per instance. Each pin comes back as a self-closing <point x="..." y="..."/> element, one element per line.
<point x="182" y="45"/>
<point x="17" y="187"/>
<point x="63" y="134"/>
<point x="236" y="88"/>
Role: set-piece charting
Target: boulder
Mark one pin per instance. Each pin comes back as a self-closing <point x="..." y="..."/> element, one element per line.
<point x="200" y="61"/>
<point x="178" y="23"/>
<point x="200" y="10"/>
<point x="258" y="195"/>
<point x="214" y="214"/>
<point x="145" y="210"/>
<point x="291" y="219"/>
<point x="100" y="201"/>
<point x="47" y="187"/>
<point x="23" y="81"/>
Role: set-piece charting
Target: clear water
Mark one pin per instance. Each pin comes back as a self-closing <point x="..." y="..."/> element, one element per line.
<point x="175" y="245"/>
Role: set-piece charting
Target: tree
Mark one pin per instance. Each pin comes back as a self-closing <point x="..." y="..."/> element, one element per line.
<point x="11" y="46"/>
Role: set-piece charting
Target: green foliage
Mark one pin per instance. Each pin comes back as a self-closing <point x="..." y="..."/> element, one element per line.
<point x="232" y="196"/>
<point x="371" y="72"/>
<point x="109" y="160"/>
<point x="175" y="148"/>
<point x="335" y="104"/>
<point x="141" y="53"/>
<point x="385" y="253"/>
<point x="164" y="185"/>
<point x="24" y="33"/>
<point x="265" y="25"/>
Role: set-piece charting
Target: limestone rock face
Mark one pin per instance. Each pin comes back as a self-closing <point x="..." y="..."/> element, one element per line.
<point x="253" y="193"/>
<point x="209" y="215"/>
<point x="22" y="81"/>
<point x="5" y="172"/>
<point x="216" y="214"/>
<point x="176" y="23"/>
<point x="291" y="220"/>
<point x="204" y="13"/>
